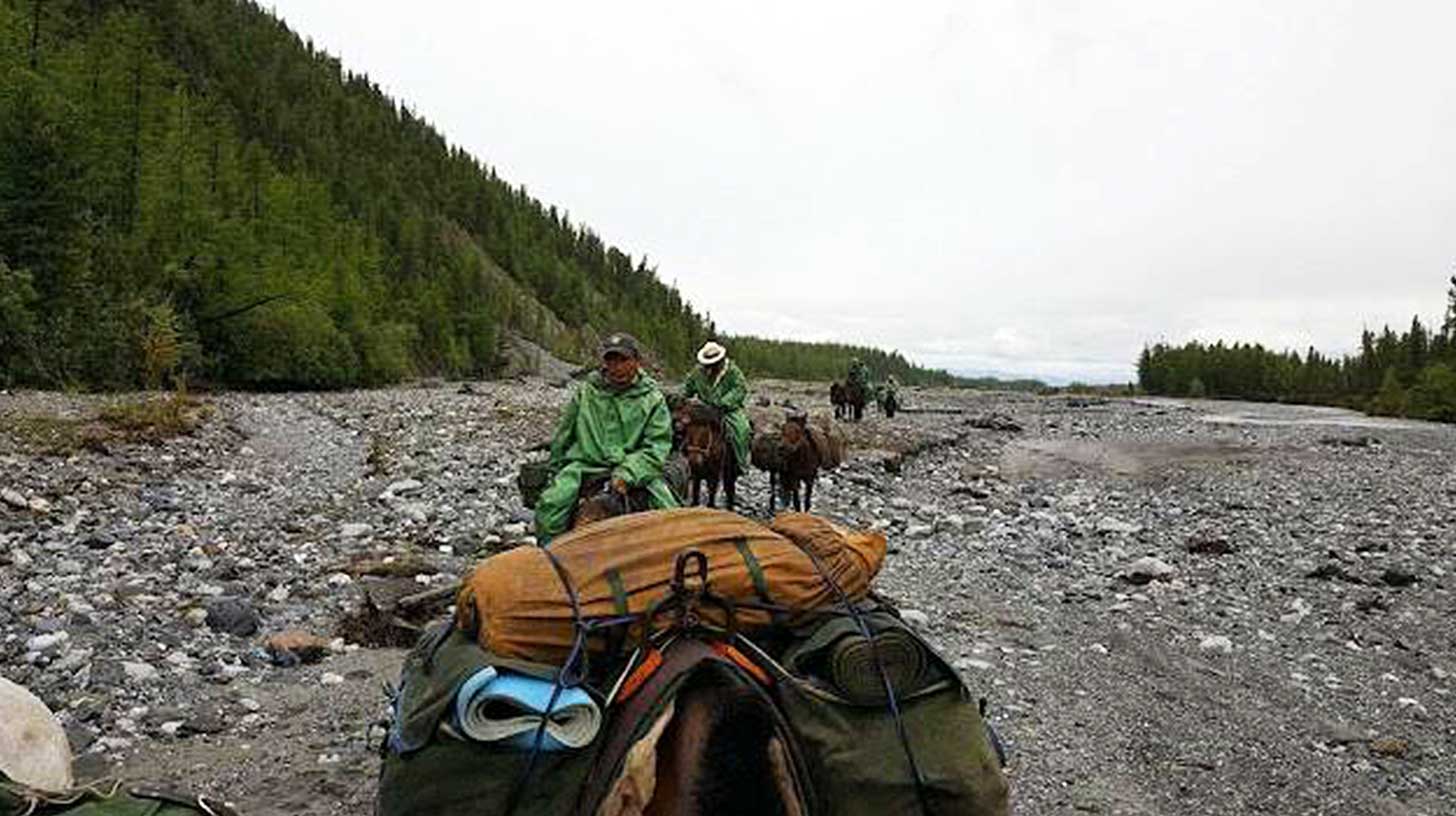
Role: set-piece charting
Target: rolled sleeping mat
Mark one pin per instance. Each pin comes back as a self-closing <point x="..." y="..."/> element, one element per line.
<point x="852" y="668"/>
<point x="506" y="708"/>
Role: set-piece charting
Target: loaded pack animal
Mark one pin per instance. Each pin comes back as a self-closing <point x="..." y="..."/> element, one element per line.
<point x="889" y="402"/>
<point x="699" y="434"/>
<point x="856" y="397"/>
<point x="839" y="398"/>
<point x="792" y="461"/>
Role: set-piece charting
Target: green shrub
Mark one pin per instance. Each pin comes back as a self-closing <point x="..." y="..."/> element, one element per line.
<point x="289" y="345"/>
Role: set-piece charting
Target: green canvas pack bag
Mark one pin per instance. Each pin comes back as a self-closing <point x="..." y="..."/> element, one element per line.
<point x="857" y="760"/>
<point x="427" y="772"/>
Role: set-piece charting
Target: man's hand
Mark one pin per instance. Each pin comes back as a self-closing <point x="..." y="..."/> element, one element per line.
<point x="620" y="485"/>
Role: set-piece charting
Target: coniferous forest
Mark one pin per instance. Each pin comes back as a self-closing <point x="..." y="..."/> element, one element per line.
<point x="186" y="187"/>
<point x="1411" y="374"/>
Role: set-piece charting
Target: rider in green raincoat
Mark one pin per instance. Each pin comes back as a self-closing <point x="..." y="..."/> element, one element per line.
<point x="719" y="382"/>
<point x="859" y="374"/>
<point x="616" y="425"/>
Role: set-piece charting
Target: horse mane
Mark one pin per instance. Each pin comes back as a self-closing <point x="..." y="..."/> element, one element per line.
<point x="701" y="413"/>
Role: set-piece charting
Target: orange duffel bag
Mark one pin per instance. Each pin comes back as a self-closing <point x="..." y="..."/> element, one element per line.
<point x="517" y="604"/>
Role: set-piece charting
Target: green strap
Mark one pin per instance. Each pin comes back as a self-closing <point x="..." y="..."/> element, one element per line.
<point x="619" y="590"/>
<point x="755" y="570"/>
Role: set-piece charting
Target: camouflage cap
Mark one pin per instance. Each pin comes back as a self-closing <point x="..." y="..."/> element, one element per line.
<point x="620" y="343"/>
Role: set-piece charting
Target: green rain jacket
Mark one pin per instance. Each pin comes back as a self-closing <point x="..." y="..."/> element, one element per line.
<point x="623" y="434"/>
<point x="728" y="393"/>
<point x="859" y="373"/>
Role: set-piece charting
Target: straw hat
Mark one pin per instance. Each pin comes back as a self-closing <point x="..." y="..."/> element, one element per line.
<point x="33" y="747"/>
<point x="711" y="353"/>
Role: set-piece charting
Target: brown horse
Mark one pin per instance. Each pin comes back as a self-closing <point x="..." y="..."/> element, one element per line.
<point x="839" y="398"/>
<point x="792" y="461"/>
<point x="710" y="457"/>
<point x="855" y="398"/>
<point x="800" y="460"/>
<point x="596" y="500"/>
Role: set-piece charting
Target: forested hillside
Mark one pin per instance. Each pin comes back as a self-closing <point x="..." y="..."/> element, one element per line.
<point x="187" y="187"/>
<point x="1411" y="374"/>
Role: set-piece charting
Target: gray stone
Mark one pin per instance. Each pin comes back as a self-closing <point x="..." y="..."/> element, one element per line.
<point x="14" y="498"/>
<point x="234" y="616"/>
<point x="1148" y="569"/>
<point x="356" y="530"/>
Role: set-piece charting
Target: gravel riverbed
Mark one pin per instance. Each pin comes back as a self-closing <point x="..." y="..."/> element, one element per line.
<point x="1173" y="607"/>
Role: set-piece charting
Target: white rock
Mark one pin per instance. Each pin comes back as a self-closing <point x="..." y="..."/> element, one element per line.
<point x="331" y="679"/>
<point x="1148" y="568"/>
<point x="279" y="594"/>
<point x="356" y="530"/>
<point x="48" y="643"/>
<point x="971" y="663"/>
<point x="171" y="727"/>
<point x="403" y="487"/>
<point x="915" y="618"/>
<point x="918" y="531"/>
<point x="249" y="704"/>
<point x="1098" y="648"/>
<point x="20" y="558"/>
<point x="1109" y="524"/>
<point x="1216" y="643"/>
<point x="40" y="506"/>
<point x="340" y="579"/>
<point x="140" y="672"/>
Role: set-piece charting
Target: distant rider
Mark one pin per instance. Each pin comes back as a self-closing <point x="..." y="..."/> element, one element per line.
<point x="720" y="383"/>
<point x="617" y="425"/>
<point x="859" y="374"/>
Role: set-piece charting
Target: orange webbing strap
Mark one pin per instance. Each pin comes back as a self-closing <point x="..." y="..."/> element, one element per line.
<point x="741" y="660"/>
<point x="651" y="662"/>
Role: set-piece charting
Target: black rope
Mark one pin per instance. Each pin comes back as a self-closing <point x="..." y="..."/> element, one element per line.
<point x="894" y="705"/>
<point x="563" y="679"/>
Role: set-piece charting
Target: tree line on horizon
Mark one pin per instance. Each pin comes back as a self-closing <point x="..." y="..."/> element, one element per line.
<point x="823" y="361"/>
<point x="1410" y="374"/>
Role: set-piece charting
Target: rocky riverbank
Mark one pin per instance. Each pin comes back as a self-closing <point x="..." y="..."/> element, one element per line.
<point x="1173" y="608"/>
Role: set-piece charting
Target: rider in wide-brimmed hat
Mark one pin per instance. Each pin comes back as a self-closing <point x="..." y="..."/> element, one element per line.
<point x="719" y="382"/>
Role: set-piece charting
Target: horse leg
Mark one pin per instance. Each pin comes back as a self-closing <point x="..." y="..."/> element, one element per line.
<point x="730" y="487"/>
<point x="697" y="488"/>
<point x="808" y="492"/>
<point x="712" y="491"/>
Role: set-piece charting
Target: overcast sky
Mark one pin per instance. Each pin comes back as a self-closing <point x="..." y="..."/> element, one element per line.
<point x="1033" y="187"/>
